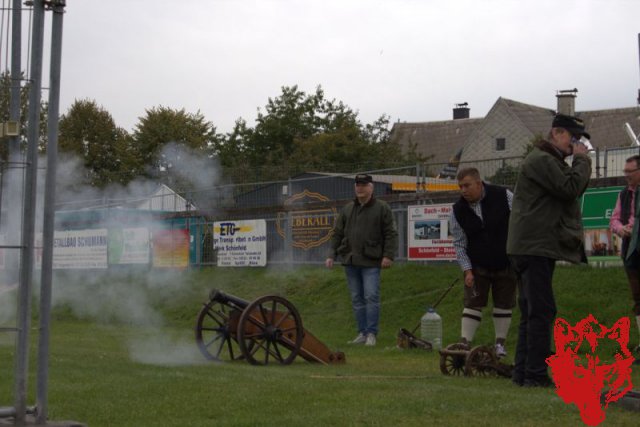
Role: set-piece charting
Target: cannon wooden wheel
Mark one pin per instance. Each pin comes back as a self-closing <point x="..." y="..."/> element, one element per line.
<point x="481" y="361"/>
<point x="453" y="359"/>
<point x="216" y="332"/>
<point x="270" y="329"/>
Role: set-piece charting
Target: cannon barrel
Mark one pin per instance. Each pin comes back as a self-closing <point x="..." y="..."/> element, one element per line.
<point x="226" y="299"/>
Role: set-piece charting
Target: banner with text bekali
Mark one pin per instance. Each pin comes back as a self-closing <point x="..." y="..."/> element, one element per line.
<point x="171" y="248"/>
<point x="240" y="243"/>
<point x="428" y="234"/>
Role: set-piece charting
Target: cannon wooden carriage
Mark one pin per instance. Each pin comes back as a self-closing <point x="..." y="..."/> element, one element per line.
<point x="268" y="329"/>
<point x="459" y="359"/>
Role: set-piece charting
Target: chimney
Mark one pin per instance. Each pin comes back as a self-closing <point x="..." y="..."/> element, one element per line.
<point x="567" y="101"/>
<point x="461" y="111"/>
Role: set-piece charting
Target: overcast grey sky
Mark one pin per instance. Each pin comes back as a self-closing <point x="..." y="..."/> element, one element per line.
<point x="410" y="59"/>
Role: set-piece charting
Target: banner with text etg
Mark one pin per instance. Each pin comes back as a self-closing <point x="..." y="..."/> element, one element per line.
<point x="241" y="243"/>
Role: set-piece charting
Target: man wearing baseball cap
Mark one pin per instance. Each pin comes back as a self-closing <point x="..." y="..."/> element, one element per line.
<point x="366" y="239"/>
<point x="545" y="226"/>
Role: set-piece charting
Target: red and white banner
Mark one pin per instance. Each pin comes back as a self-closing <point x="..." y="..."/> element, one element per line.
<point x="428" y="234"/>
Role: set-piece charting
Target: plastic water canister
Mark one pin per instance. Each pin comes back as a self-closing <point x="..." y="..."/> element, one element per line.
<point x="431" y="328"/>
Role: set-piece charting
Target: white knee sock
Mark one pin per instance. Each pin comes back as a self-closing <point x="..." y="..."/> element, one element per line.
<point x="470" y="321"/>
<point x="501" y="322"/>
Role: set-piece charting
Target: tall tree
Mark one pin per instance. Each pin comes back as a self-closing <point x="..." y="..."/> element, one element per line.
<point x="299" y="131"/>
<point x="161" y="131"/>
<point x="88" y="131"/>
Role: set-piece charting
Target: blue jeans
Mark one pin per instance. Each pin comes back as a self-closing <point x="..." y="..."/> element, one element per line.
<point x="364" y="287"/>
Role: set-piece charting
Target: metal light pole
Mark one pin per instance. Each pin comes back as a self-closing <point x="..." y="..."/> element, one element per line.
<point x="28" y="222"/>
<point x="57" y="6"/>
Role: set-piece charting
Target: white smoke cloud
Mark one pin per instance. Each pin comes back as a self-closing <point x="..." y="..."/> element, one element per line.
<point x="124" y="295"/>
<point x="157" y="349"/>
<point x="134" y="300"/>
<point x="200" y="173"/>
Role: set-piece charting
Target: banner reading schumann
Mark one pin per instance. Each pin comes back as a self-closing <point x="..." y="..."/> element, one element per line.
<point x="80" y="249"/>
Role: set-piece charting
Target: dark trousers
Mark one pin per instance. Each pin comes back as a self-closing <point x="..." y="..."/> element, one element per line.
<point x="537" y="310"/>
<point x="632" y="268"/>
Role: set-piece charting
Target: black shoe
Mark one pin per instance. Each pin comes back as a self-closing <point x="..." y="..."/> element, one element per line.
<point x="517" y="380"/>
<point x="538" y="382"/>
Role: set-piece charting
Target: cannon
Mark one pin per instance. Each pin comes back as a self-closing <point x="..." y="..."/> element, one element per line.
<point x="268" y="329"/>
<point x="459" y="359"/>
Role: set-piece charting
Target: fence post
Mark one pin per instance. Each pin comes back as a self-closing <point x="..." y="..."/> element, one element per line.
<point x="402" y="236"/>
<point x="288" y="240"/>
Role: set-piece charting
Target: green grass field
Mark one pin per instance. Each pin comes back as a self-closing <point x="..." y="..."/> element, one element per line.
<point x="123" y="354"/>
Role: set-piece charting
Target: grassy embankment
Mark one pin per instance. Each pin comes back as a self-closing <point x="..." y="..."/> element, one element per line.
<point x="122" y="354"/>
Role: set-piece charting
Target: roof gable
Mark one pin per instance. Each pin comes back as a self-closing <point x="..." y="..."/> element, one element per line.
<point x="536" y="119"/>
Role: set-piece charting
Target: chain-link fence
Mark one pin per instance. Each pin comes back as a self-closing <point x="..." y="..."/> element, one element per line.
<point x="300" y="212"/>
<point x="311" y="195"/>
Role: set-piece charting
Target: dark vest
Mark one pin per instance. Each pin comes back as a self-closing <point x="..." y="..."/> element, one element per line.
<point x="625" y="214"/>
<point x="486" y="238"/>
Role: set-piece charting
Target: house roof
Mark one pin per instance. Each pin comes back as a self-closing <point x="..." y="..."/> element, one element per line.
<point x="145" y="196"/>
<point x="535" y="119"/>
<point x="441" y="139"/>
<point x="606" y="127"/>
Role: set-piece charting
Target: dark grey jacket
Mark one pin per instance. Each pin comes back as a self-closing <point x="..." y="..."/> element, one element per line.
<point x="545" y="217"/>
<point x="363" y="235"/>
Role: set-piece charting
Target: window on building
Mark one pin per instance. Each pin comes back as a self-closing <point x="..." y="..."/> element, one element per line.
<point x="501" y="144"/>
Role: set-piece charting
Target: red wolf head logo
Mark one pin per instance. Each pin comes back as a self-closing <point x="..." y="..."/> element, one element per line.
<point x="582" y="381"/>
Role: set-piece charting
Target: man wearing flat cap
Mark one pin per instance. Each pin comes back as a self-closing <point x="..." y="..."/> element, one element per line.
<point x="545" y="226"/>
<point x="366" y="239"/>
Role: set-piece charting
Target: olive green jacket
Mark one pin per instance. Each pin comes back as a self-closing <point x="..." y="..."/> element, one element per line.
<point x="545" y="218"/>
<point x="364" y="234"/>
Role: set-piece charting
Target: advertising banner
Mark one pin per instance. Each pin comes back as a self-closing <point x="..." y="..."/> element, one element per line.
<point x="597" y="206"/>
<point x="76" y="249"/>
<point x="310" y="228"/>
<point x="129" y="246"/>
<point x="428" y="234"/>
<point x="171" y="248"/>
<point x="240" y="243"/>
